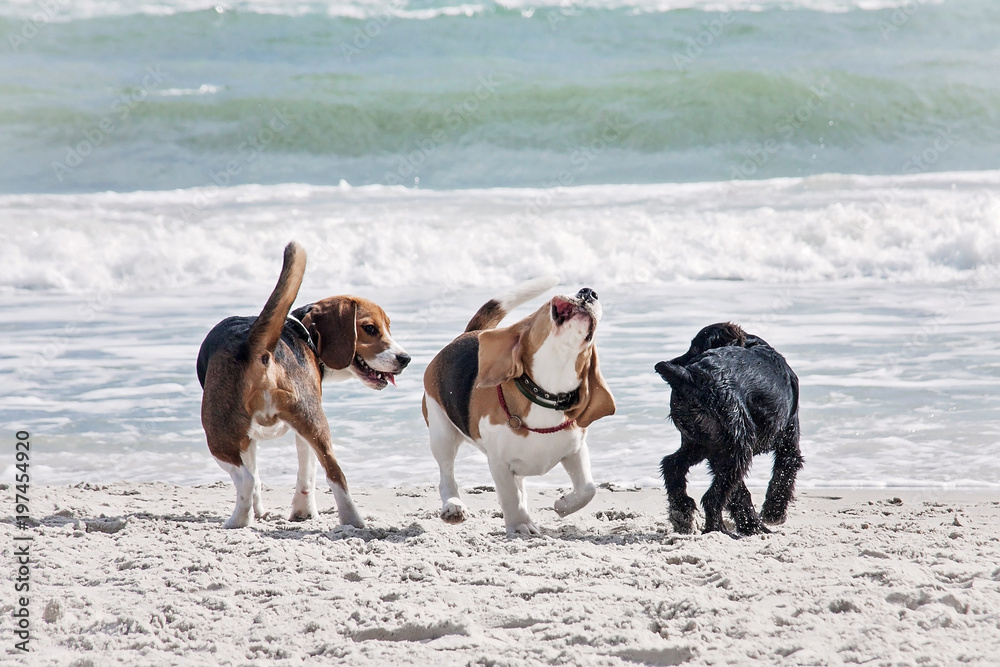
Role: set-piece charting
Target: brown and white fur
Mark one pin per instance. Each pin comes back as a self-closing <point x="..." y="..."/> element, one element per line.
<point x="262" y="375"/>
<point x="555" y="347"/>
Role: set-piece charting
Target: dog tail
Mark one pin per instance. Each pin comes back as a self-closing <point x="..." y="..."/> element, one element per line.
<point x="673" y="374"/>
<point x="494" y="310"/>
<point x="266" y="329"/>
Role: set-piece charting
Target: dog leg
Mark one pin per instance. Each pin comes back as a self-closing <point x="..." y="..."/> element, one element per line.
<point x="244" y="483"/>
<point x="728" y="474"/>
<point x="513" y="502"/>
<point x="674" y="469"/>
<point x="787" y="463"/>
<point x="304" y="500"/>
<point x="445" y="440"/>
<point x="249" y="457"/>
<point x="307" y="420"/>
<point x="741" y="509"/>
<point x="577" y="466"/>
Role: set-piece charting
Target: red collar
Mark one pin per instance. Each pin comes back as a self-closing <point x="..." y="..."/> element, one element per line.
<point x="515" y="423"/>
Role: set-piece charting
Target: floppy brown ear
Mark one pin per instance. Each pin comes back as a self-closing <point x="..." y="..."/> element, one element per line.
<point x="500" y="355"/>
<point x="333" y="330"/>
<point x="596" y="400"/>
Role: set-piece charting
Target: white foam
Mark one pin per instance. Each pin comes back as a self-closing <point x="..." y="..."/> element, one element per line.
<point x="63" y="10"/>
<point x="203" y="89"/>
<point x="935" y="227"/>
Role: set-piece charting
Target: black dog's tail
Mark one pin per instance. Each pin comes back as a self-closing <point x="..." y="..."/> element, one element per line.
<point x="673" y="374"/>
<point x="266" y="329"/>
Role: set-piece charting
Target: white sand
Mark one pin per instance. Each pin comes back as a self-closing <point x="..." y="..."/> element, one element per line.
<point x="853" y="577"/>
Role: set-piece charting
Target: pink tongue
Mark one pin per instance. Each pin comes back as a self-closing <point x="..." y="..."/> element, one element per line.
<point x="391" y="378"/>
<point x="564" y="308"/>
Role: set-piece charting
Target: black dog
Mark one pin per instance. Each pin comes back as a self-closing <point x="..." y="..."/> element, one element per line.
<point x="733" y="397"/>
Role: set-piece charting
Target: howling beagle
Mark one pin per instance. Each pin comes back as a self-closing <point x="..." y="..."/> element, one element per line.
<point x="262" y="375"/>
<point x="524" y="395"/>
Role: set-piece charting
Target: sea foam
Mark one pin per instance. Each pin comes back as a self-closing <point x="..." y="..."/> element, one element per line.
<point x="934" y="228"/>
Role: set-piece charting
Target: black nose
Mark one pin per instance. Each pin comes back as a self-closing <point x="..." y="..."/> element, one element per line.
<point x="403" y="360"/>
<point x="587" y="294"/>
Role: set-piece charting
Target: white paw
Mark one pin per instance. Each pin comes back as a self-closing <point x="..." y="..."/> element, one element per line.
<point x="303" y="507"/>
<point x="575" y="501"/>
<point x="238" y="520"/>
<point x="525" y="528"/>
<point x="350" y="518"/>
<point x="454" y="511"/>
<point x="564" y="507"/>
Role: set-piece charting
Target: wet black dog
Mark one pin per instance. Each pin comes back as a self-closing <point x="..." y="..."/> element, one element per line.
<point x="733" y="397"/>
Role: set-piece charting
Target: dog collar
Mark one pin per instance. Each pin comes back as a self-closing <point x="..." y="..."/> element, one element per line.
<point x="515" y="423"/>
<point x="304" y="334"/>
<point x="539" y="396"/>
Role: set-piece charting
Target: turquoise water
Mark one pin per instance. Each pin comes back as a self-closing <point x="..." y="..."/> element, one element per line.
<point x="825" y="172"/>
<point x="109" y="96"/>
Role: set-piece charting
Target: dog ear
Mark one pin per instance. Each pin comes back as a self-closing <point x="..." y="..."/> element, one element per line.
<point x="331" y="323"/>
<point x="500" y="353"/>
<point x="596" y="400"/>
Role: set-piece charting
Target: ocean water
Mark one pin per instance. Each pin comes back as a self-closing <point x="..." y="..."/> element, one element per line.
<point x="825" y="172"/>
<point x="113" y="95"/>
<point x="888" y="313"/>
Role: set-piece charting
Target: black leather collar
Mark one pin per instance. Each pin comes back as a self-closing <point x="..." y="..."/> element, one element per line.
<point x="550" y="400"/>
<point x="303" y="333"/>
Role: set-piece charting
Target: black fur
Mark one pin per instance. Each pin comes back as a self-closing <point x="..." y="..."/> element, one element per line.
<point x="733" y="397"/>
<point x="231" y="333"/>
<point x="459" y="368"/>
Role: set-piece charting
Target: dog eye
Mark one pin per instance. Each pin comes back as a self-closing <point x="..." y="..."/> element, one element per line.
<point x="370" y="329"/>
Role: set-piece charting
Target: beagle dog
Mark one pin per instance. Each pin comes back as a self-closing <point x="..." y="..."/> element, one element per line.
<point x="524" y="395"/>
<point x="261" y="376"/>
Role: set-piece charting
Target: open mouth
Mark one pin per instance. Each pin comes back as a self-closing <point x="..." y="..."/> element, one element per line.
<point x="375" y="379"/>
<point x="563" y="311"/>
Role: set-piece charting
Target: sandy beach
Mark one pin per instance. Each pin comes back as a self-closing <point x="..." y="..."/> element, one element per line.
<point x="134" y="574"/>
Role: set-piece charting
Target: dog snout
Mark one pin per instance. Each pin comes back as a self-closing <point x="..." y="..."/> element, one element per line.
<point x="588" y="295"/>
<point x="403" y="360"/>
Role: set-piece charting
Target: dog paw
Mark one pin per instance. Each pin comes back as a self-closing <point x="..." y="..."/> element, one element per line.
<point x="238" y="521"/>
<point x="772" y="518"/>
<point x="724" y="531"/>
<point x="355" y="521"/>
<point x="682" y="522"/>
<point x="564" y="507"/>
<point x="758" y="529"/>
<point x="454" y="512"/>
<point x="526" y="528"/>
<point x="301" y="516"/>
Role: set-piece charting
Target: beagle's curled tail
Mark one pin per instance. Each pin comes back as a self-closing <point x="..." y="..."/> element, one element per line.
<point x="266" y="329"/>
<point x="493" y="311"/>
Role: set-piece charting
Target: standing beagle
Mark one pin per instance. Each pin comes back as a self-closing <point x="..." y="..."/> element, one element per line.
<point x="261" y="375"/>
<point x="524" y="395"/>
